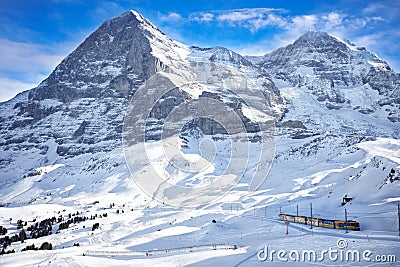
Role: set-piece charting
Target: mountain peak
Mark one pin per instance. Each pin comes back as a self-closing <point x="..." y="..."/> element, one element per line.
<point x="129" y="20"/>
<point x="108" y="63"/>
<point x="314" y="47"/>
<point x="310" y="35"/>
<point x="135" y="14"/>
<point x="318" y="38"/>
<point x="129" y="15"/>
<point x="114" y="59"/>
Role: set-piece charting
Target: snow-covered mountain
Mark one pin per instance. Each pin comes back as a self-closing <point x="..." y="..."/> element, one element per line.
<point x="336" y="111"/>
<point x="79" y="109"/>
<point x="330" y="68"/>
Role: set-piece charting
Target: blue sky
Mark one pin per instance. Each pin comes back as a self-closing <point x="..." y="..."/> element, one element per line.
<point x="35" y="35"/>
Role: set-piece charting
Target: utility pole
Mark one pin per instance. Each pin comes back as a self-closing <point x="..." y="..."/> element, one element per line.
<point x="345" y="220"/>
<point x="398" y="214"/>
<point x="297" y="210"/>
<point x="311" y="215"/>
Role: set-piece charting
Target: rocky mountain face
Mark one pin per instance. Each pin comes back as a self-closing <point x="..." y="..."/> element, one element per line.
<point x="327" y="66"/>
<point x="83" y="99"/>
<point x="79" y="109"/>
<point x="78" y="112"/>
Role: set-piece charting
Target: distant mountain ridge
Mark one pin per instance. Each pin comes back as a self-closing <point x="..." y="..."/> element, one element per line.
<point x="323" y="63"/>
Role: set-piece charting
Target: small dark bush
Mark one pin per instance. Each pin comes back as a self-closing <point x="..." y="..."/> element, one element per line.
<point x="95" y="226"/>
<point x="46" y="246"/>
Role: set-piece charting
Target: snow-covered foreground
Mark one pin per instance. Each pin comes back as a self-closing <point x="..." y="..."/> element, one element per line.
<point x="241" y="223"/>
<point x="159" y="230"/>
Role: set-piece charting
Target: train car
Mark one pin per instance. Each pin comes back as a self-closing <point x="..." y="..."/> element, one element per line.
<point x="327" y="223"/>
<point x="353" y="225"/>
<point x="300" y="219"/>
<point x="314" y="221"/>
<point x="287" y="217"/>
<point x="349" y="225"/>
<point x="290" y="218"/>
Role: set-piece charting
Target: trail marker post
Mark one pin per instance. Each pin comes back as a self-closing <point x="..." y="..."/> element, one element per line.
<point x="287" y="227"/>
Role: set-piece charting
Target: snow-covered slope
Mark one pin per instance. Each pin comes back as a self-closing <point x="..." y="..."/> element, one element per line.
<point x="336" y="108"/>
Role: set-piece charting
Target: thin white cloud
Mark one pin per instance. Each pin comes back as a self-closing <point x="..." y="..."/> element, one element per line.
<point x="202" y="17"/>
<point x="370" y="40"/>
<point x="253" y="19"/>
<point x="256" y="19"/>
<point x="22" y="57"/>
<point x="333" y="19"/>
<point x="362" y="22"/>
<point x="29" y="62"/>
<point x="269" y="20"/>
<point x="171" y="16"/>
<point x="244" y="14"/>
<point x="303" y="23"/>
